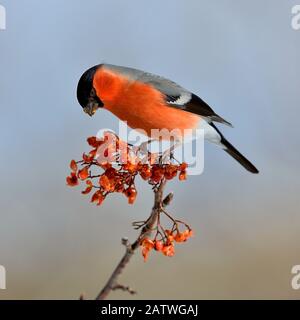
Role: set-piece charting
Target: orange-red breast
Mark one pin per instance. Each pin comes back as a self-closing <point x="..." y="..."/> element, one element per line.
<point x="147" y="101"/>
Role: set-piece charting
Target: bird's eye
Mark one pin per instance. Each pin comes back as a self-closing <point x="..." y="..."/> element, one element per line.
<point x="93" y="93"/>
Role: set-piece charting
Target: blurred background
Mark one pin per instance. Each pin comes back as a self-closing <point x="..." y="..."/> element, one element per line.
<point x="242" y="57"/>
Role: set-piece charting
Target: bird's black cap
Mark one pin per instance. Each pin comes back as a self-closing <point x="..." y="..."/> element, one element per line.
<point x="85" y="86"/>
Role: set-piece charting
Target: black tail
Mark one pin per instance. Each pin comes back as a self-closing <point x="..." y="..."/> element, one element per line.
<point x="230" y="149"/>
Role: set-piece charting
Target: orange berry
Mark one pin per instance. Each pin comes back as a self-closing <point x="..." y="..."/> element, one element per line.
<point x="182" y="175"/>
<point x="180" y="237"/>
<point x="157" y="173"/>
<point x="130" y="167"/>
<point x="170" y="236"/>
<point x="145" y="253"/>
<point x="131" y="194"/>
<point x="191" y="233"/>
<point x="145" y="172"/>
<point x="73" y="165"/>
<point x="72" y="180"/>
<point x="158" y="245"/>
<point x="104" y="182"/>
<point x="88" y="188"/>
<point x="83" y="173"/>
<point x="168" y="250"/>
<point x="88" y="158"/>
<point x="182" y="166"/>
<point x="147" y="243"/>
<point x="188" y="233"/>
<point x="94" y="142"/>
<point x="98" y="197"/>
<point x="170" y="171"/>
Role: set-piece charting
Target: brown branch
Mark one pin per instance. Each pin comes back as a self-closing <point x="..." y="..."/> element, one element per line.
<point x="112" y="283"/>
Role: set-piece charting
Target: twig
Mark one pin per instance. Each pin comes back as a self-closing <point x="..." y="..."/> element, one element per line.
<point x="112" y="283"/>
<point x="124" y="288"/>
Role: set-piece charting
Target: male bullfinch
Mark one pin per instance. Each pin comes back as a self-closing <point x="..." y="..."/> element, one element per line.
<point x="147" y="101"/>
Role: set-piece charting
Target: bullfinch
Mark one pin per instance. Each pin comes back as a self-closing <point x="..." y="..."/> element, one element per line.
<point x="147" y="101"/>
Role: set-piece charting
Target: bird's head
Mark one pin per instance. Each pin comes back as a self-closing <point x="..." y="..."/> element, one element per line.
<point x="86" y="93"/>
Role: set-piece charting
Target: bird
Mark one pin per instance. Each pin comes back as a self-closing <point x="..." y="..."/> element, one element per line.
<point x="148" y="101"/>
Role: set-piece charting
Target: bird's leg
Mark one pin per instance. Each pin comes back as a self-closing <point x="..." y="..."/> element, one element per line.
<point x="168" y="154"/>
<point x="163" y="156"/>
<point x="143" y="147"/>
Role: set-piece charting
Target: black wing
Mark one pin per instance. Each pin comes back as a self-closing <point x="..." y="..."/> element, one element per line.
<point x="198" y="106"/>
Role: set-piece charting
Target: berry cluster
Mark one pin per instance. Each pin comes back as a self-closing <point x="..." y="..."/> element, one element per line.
<point x="166" y="244"/>
<point x="119" y="164"/>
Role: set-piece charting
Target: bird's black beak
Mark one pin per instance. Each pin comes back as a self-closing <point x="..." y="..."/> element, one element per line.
<point x="91" y="108"/>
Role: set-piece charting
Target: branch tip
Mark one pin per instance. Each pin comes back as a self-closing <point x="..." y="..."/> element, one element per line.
<point x="123" y="288"/>
<point x="168" y="199"/>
